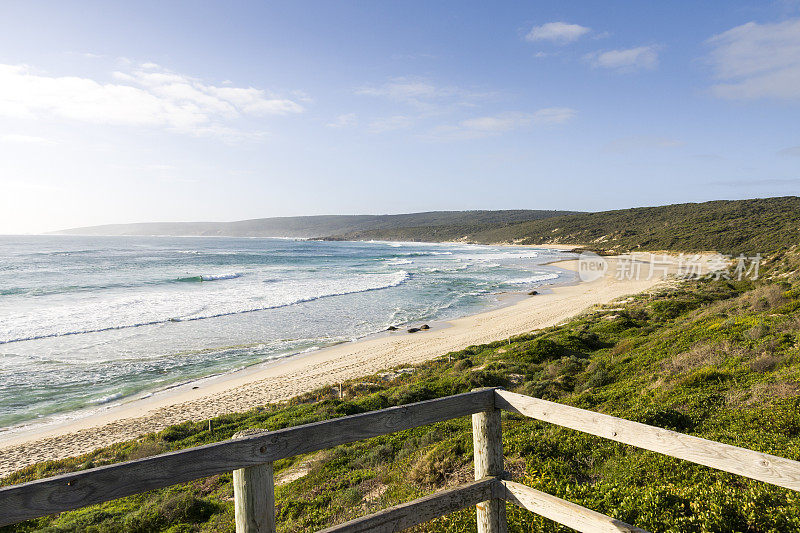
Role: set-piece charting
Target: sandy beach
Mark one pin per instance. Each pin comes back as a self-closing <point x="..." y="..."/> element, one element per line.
<point x="284" y="379"/>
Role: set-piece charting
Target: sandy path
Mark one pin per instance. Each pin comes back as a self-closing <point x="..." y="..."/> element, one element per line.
<point x="244" y="390"/>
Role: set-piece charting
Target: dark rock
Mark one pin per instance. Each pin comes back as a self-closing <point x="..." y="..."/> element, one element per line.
<point x="424" y="326"/>
<point x="391" y="328"/>
<point x="413" y="330"/>
<point x="533" y="293"/>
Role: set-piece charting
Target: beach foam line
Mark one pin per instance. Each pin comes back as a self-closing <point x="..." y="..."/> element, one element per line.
<point x="400" y="277"/>
<point x="532" y="279"/>
<point x="209" y="277"/>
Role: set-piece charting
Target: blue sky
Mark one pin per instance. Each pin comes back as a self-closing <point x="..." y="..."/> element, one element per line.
<point x="143" y="111"/>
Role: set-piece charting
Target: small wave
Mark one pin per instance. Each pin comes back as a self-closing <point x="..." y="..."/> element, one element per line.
<point x="67" y="252"/>
<point x="106" y="399"/>
<point x="400" y="262"/>
<point x="208" y="277"/>
<point x="10" y="292"/>
<point x="420" y="254"/>
<point x="532" y="279"/>
<point x="399" y="277"/>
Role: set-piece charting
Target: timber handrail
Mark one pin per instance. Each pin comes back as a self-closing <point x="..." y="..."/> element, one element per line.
<point x="421" y="510"/>
<point x="748" y="463"/>
<point x="250" y="456"/>
<point x="96" y="485"/>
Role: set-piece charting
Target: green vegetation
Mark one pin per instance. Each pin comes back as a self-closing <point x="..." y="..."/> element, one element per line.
<point x="740" y="226"/>
<point x="322" y="225"/>
<point x="717" y="359"/>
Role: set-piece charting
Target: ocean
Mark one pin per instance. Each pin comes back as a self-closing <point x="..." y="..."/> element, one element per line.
<point x="87" y="322"/>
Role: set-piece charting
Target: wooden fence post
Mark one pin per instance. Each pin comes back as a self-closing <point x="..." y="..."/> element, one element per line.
<point x="488" y="446"/>
<point x="254" y="496"/>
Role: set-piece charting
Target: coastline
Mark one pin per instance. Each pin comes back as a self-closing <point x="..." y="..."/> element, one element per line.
<point x="285" y="378"/>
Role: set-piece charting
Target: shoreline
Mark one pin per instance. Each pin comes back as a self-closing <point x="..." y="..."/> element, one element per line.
<point x="287" y="377"/>
<point x="59" y="422"/>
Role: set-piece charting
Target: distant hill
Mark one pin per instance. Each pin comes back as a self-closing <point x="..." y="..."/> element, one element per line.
<point x="438" y="223"/>
<point x="729" y="226"/>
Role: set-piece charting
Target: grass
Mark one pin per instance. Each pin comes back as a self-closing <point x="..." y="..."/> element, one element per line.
<point x="716" y="359"/>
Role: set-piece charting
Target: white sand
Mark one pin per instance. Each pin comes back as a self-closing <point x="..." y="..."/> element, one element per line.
<point x="279" y="381"/>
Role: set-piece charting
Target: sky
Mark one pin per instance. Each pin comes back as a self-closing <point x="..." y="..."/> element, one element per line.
<point x="114" y="112"/>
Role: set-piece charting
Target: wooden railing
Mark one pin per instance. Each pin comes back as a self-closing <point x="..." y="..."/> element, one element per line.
<point x="250" y="457"/>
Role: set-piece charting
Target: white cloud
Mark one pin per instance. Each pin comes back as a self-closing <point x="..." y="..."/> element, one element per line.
<point x="638" y="143"/>
<point x="554" y="115"/>
<point x="346" y="120"/>
<point x="557" y="32"/>
<point x="757" y="61"/>
<point x="496" y="123"/>
<point x="25" y="139"/>
<point x="625" y="60"/>
<point x="491" y="125"/>
<point x="146" y="96"/>
<point x="397" y="122"/>
<point x="422" y="93"/>
<point x="406" y="90"/>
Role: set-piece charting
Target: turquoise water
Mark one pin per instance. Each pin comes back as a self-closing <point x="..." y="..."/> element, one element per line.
<point x="88" y="321"/>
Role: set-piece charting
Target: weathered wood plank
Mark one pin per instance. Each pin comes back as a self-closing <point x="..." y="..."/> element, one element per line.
<point x="254" y="494"/>
<point x="564" y="512"/>
<point x="755" y="465"/>
<point x="487" y="441"/>
<point x="88" y="487"/>
<point x="418" y="511"/>
<point x="254" y="499"/>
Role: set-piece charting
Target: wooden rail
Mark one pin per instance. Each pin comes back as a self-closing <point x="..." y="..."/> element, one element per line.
<point x="419" y="511"/>
<point x="97" y="485"/>
<point x="561" y="511"/>
<point x="748" y="463"/>
<point x="250" y="456"/>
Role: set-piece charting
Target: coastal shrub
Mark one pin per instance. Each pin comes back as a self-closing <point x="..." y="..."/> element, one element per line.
<point x="585" y="339"/>
<point x="473" y="350"/>
<point x="484" y="378"/>
<point x="597" y="377"/>
<point x="706" y="376"/>
<point x="179" y="432"/>
<point x="437" y="465"/>
<point x="789" y="308"/>
<point x="665" y="417"/>
<point x="377" y="455"/>
<point x="413" y="393"/>
<point x="147" y="449"/>
<point x="539" y="350"/>
<point x="793" y="293"/>
<point x="175" y="509"/>
<point x="765" y="363"/>
<point x="671" y="309"/>
<point x="462" y="365"/>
